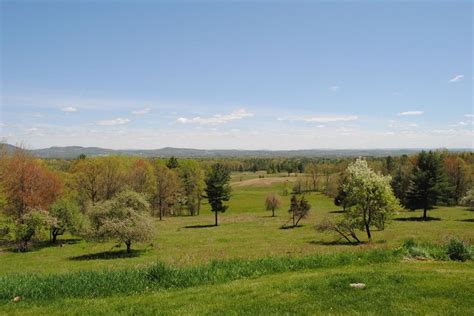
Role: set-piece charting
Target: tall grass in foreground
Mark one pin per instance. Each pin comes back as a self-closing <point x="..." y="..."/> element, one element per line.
<point x="160" y="276"/>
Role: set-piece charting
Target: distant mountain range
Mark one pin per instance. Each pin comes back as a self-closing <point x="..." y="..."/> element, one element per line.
<point x="71" y="152"/>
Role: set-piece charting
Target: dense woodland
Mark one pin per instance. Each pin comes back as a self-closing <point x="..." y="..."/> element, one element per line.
<point x="117" y="197"/>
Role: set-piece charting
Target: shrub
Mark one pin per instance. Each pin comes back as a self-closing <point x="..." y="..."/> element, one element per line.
<point x="456" y="249"/>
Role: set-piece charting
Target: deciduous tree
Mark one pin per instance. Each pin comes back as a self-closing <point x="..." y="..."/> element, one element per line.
<point x="273" y="202"/>
<point x="370" y="197"/>
<point x="124" y="218"/>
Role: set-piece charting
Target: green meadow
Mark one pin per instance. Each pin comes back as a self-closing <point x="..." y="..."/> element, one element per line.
<point x="248" y="264"/>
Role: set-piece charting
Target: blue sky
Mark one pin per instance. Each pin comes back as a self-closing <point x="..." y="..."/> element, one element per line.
<point x="246" y="75"/>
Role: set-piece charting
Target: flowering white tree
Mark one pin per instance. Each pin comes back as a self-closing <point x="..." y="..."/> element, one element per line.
<point x="124" y="218"/>
<point x="369" y="197"/>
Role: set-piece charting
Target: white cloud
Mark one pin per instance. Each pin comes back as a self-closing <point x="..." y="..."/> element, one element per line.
<point x="141" y="111"/>
<point x="69" y="109"/>
<point x="407" y="113"/>
<point x="469" y="115"/>
<point x="334" y="88"/>
<point x="117" y="121"/>
<point x="456" y="78"/>
<point x="322" y="119"/>
<point x="217" y="118"/>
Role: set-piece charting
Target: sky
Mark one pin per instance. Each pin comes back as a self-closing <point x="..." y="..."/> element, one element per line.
<point x="237" y="75"/>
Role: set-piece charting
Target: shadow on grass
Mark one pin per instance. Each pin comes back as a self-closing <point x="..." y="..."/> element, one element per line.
<point x="107" y="255"/>
<point x="336" y="243"/>
<point x="469" y="220"/>
<point x="417" y="219"/>
<point x="200" y="226"/>
<point x="290" y="226"/>
<point x="38" y="245"/>
<point x="337" y="212"/>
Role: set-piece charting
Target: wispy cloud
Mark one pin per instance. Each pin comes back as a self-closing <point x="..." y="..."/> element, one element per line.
<point x="117" y="121"/>
<point x="334" y="88"/>
<point x="408" y="113"/>
<point x="141" y="111"/>
<point x="217" y="118"/>
<point x="321" y="119"/>
<point x="69" y="109"/>
<point x="469" y="115"/>
<point x="456" y="78"/>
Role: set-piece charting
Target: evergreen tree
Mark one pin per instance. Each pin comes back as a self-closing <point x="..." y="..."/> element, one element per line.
<point x="172" y="163"/>
<point x="218" y="188"/>
<point x="428" y="185"/>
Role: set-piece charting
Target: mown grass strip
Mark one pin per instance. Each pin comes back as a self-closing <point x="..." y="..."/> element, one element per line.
<point x="159" y="276"/>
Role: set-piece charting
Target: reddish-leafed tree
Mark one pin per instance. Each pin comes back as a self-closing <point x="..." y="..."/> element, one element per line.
<point x="27" y="184"/>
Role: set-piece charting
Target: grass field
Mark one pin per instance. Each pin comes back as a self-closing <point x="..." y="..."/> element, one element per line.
<point x="248" y="232"/>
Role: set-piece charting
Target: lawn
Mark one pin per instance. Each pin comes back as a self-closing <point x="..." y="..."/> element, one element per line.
<point x="248" y="232"/>
<point x="410" y="288"/>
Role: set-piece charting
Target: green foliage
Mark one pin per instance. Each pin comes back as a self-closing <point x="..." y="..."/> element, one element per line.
<point x="457" y="249"/>
<point x="67" y="218"/>
<point x="172" y="163"/>
<point x="299" y="209"/>
<point x="35" y="223"/>
<point x="369" y="196"/>
<point x="124" y="218"/>
<point x="192" y="178"/>
<point x="218" y="188"/>
<point x="429" y="184"/>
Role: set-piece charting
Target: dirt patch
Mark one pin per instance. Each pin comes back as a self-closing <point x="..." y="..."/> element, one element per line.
<point x="263" y="182"/>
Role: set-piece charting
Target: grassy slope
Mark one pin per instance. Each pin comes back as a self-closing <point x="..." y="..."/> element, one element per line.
<point x="392" y="288"/>
<point x="246" y="231"/>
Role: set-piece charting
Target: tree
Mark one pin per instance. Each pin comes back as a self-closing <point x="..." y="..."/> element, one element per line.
<point x="218" y="188"/>
<point x="124" y="218"/>
<point x="468" y="200"/>
<point x="32" y="224"/>
<point x="456" y="171"/>
<point x="428" y="184"/>
<point x="29" y="188"/>
<point x="401" y="182"/>
<point x="167" y="190"/>
<point x="312" y="170"/>
<point x="27" y="184"/>
<point x="141" y="177"/>
<point x="113" y="176"/>
<point x="192" y="178"/>
<point x="273" y="202"/>
<point x="298" y="208"/>
<point x="66" y="216"/>
<point x="345" y="228"/>
<point x="172" y="163"/>
<point x="369" y="196"/>
<point x="88" y="178"/>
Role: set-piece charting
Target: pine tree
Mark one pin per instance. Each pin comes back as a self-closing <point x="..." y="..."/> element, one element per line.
<point x="428" y="185"/>
<point x="218" y="188"/>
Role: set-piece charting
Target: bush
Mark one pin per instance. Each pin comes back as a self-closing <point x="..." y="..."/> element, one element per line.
<point x="456" y="249"/>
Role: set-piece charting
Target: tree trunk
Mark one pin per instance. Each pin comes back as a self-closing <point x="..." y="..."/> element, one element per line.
<point x="273" y="212"/>
<point x="367" y="229"/>
<point x="216" y="218"/>
<point x="129" y="246"/>
<point x="55" y="237"/>
<point x="424" y="213"/>
<point x="294" y="219"/>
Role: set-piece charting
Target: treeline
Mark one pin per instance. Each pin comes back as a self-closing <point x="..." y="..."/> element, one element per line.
<point x="116" y="197"/>
<point x="102" y="197"/>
